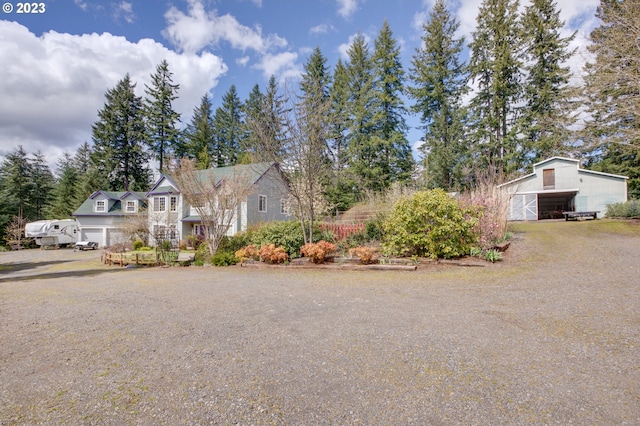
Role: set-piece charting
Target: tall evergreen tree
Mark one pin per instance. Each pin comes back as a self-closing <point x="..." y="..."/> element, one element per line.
<point x="199" y="134"/>
<point x="612" y="92"/>
<point x="118" y="140"/>
<point x="440" y="81"/>
<point x="253" y="114"/>
<point x="395" y="161"/>
<point x="341" y="194"/>
<point x="268" y="124"/>
<point x="64" y="197"/>
<point x="363" y="149"/>
<point x="309" y="167"/>
<point x="495" y="68"/>
<point x="16" y="187"/>
<point x="228" y="125"/>
<point x="43" y="183"/>
<point x="160" y="117"/>
<point x="89" y="176"/>
<point x="546" y="117"/>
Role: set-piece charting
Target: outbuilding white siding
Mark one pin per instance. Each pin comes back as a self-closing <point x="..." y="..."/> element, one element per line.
<point x="559" y="185"/>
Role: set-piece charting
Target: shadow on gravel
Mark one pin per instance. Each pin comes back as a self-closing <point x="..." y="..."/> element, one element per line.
<point x="22" y="266"/>
<point x="58" y="275"/>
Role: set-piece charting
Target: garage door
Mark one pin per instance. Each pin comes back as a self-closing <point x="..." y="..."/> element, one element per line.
<point x="92" y="234"/>
<point x="115" y="236"/>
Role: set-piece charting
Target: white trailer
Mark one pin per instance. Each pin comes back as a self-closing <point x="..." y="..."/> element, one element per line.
<point x="54" y="232"/>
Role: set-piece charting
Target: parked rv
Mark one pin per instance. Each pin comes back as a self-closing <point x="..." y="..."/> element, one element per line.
<point x="55" y="232"/>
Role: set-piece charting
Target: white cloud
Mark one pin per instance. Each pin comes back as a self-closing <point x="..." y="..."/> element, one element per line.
<point x="53" y="85"/>
<point x="199" y="28"/>
<point x="322" y="29"/>
<point x="123" y="10"/>
<point x="346" y="8"/>
<point x="282" y="65"/>
<point x="243" y="61"/>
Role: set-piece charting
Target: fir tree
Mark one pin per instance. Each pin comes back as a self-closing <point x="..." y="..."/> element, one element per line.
<point x="342" y="193"/>
<point x="495" y="68"/>
<point x="199" y="134"/>
<point x="160" y="117"/>
<point x="307" y="148"/>
<point x="611" y="92"/>
<point x="228" y="125"/>
<point x="546" y="117"/>
<point x="43" y="182"/>
<point x="363" y="149"/>
<point x="16" y="187"/>
<point x="439" y="80"/>
<point x="253" y="114"/>
<point x="63" y="202"/>
<point x="267" y="124"/>
<point x="395" y="161"/>
<point x="118" y="140"/>
<point x="89" y="177"/>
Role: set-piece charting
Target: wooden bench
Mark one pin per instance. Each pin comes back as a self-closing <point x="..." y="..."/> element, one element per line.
<point x="578" y="215"/>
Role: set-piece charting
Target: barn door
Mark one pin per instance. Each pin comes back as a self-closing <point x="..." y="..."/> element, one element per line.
<point x="531" y="207"/>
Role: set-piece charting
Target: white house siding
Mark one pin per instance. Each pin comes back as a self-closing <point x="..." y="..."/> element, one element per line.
<point x="573" y="189"/>
<point x="598" y="190"/>
<point x="103" y="230"/>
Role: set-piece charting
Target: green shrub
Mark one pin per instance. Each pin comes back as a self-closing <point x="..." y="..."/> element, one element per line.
<point x="492" y="255"/>
<point x="223" y="258"/>
<point x="235" y="243"/>
<point x="138" y="244"/>
<point x="202" y="255"/>
<point x="373" y="229"/>
<point x="287" y="234"/>
<point x="628" y="210"/>
<point x="146" y="248"/>
<point x="430" y="223"/>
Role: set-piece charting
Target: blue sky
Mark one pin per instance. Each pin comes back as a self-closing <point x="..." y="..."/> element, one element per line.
<point x="56" y="66"/>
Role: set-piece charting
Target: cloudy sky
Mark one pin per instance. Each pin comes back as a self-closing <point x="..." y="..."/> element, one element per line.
<point x="56" y="65"/>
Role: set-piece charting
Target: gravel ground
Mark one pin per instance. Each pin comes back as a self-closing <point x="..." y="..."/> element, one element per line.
<point x="549" y="336"/>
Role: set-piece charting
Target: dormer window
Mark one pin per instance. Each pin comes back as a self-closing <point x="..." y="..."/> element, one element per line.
<point x="100" y="206"/>
<point x="131" y="206"/>
<point x="159" y="204"/>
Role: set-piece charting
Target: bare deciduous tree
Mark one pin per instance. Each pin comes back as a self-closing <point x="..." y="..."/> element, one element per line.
<point x="302" y="155"/>
<point x="215" y="197"/>
<point x="14" y="232"/>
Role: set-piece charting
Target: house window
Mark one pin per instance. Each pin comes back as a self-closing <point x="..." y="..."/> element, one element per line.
<point x="198" y="202"/>
<point x="284" y="206"/>
<point x="131" y="206"/>
<point x="548" y="179"/>
<point x="100" y="206"/>
<point x="262" y="203"/>
<point x="173" y="203"/>
<point x="159" y="204"/>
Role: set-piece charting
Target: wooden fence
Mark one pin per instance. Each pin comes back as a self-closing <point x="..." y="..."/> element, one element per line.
<point x="149" y="259"/>
<point x="343" y="230"/>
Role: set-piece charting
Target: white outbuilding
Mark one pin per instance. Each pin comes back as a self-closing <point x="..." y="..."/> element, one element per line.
<point x="559" y="188"/>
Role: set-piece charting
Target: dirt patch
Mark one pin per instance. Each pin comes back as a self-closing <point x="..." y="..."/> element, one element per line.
<point x="549" y="336"/>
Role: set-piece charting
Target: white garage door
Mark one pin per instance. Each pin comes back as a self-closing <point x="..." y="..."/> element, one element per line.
<point x="92" y="234"/>
<point x="115" y="236"/>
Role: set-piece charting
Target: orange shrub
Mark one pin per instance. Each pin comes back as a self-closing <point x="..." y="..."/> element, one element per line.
<point x="271" y="254"/>
<point x="249" y="252"/>
<point x="367" y="255"/>
<point x="318" y="252"/>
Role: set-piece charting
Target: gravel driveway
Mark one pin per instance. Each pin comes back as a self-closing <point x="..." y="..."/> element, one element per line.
<point x="549" y="336"/>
